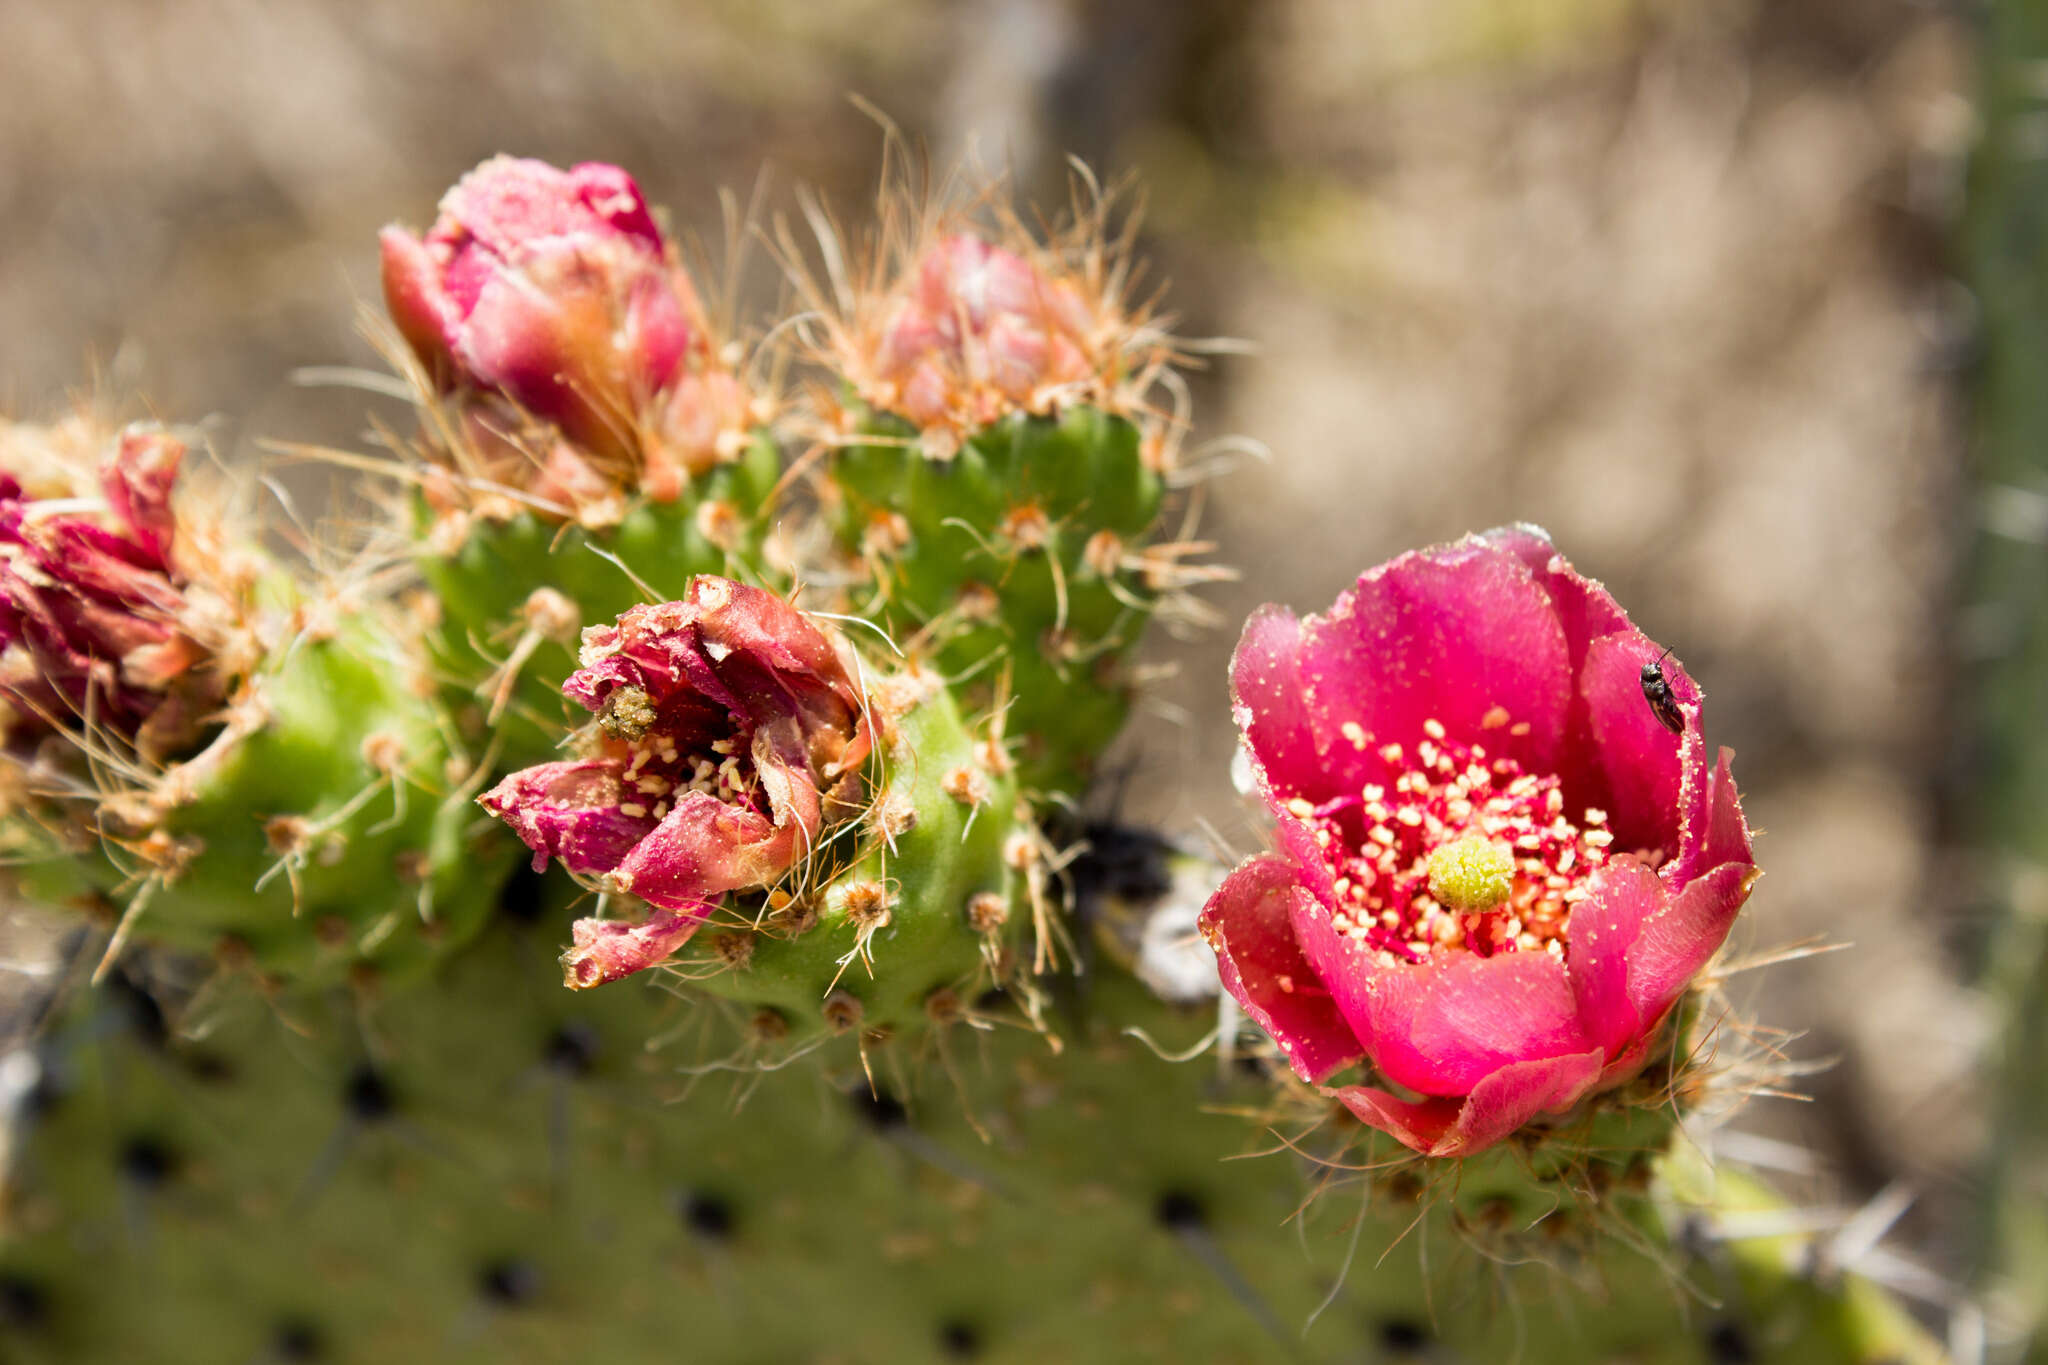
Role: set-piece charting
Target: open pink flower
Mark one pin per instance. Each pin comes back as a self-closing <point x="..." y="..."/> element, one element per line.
<point x="977" y="327"/>
<point x="92" y="605"/>
<point x="1499" y="870"/>
<point x="729" y="734"/>
<point x="551" y="287"/>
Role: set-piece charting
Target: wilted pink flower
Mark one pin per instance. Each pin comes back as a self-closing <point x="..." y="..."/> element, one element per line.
<point x="729" y="734"/>
<point x="93" y="606"/>
<point x="1499" y="871"/>
<point x="551" y="287"/>
<point x="976" y="328"/>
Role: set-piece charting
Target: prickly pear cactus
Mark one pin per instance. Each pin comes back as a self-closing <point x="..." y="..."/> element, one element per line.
<point x="263" y="776"/>
<point x="801" y="1038"/>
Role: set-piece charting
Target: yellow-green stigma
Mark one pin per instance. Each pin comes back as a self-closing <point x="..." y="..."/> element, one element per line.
<point x="1472" y="874"/>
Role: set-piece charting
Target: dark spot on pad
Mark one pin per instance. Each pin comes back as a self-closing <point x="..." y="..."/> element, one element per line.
<point x="1728" y="1344"/>
<point x="297" y="1340"/>
<point x="572" y="1050"/>
<point x="147" y="1162"/>
<point x="1403" y="1336"/>
<point x="707" y="1215"/>
<point x="139" y="1010"/>
<point x="959" y="1341"/>
<point x="880" y="1110"/>
<point x="23" y="1304"/>
<point x="367" y="1095"/>
<point x="1180" y="1211"/>
<point x="509" y="1283"/>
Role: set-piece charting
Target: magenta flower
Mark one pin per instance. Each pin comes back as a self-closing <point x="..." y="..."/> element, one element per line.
<point x="93" y="608"/>
<point x="1499" y="870"/>
<point x="551" y="287"/>
<point x="976" y="329"/>
<point x="729" y="734"/>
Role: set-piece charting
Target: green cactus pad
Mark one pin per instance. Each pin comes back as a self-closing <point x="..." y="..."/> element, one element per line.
<point x="501" y="1171"/>
<point x="992" y="557"/>
<point x="334" y="833"/>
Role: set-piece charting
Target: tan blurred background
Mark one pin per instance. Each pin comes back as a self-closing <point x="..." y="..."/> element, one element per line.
<point x="1667" y="278"/>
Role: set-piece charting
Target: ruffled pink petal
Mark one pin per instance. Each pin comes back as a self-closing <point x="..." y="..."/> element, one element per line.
<point x="545" y="333"/>
<point x="1499" y="1104"/>
<point x="1603" y="930"/>
<point x="704" y="848"/>
<point x="1449" y="634"/>
<point x="605" y="950"/>
<point x="1677" y="941"/>
<point x="1653" y="782"/>
<point x="138" y="482"/>
<point x="569" y="811"/>
<point x="1441" y="1026"/>
<point x="1585" y="609"/>
<point x="423" y="313"/>
<point x="1722" y="834"/>
<point x="1247" y="923"/>
<point x="1271" y="711"/>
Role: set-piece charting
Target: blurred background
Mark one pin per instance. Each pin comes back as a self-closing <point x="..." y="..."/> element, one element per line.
<point x="1668" y="278"/>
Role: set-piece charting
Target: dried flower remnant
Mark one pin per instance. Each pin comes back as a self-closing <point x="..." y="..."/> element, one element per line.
<point x="99" y="621"/>
<point x="1499" y="870"/>
<point x="729" y="734"/>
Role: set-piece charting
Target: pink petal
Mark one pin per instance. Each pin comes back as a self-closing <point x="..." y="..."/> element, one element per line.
<point x="1603" y="931"/>
<point x="1585" y="609"/>
<point x="413" y="296"/>
<point x="138" y="482"/>
<point x="1271" y="710"/>
<point x="1247" y="923"/>
<point x="1499" y="1104"/>
<point x="605" y="950"/>
<point x="1721" y="835"/>
<point x="705" y="848"/>
<point x="1448" y="634"/>
<point x="1677" y="941"/>
<point x="1441" y="1025"/>
<point x="569" y="811"/>
<point x="1649" y="780"/>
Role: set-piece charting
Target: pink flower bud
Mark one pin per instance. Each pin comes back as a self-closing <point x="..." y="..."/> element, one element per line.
<point x="93" y="607"/>
<point x="553" y="288"/>
<point x="977" y="328"/>
<point x="1499" y="870"/>
<point x="729" y="735"/>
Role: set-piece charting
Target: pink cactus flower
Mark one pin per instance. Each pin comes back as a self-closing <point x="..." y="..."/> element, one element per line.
<point x="1499" y="871"/>
<point x="92" y="604"/>
<point x="551" y="287"/>
<point x="730" y="734"/>
<point x="978" y="328"/>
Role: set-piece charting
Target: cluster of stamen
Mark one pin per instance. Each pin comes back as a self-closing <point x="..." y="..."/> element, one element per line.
<point x="1379" y="844"/>
<point x="659" y="772"/>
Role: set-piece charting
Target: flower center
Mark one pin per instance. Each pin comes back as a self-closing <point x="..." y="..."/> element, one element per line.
<point x="1463" y="852"/>
<point x="664" y="762"/>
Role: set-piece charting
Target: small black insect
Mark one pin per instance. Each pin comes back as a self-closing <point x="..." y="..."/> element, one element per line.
<point x="1657" y="692"/>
